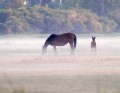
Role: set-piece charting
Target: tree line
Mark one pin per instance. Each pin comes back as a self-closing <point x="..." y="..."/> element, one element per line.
<point x="58" y="16"/>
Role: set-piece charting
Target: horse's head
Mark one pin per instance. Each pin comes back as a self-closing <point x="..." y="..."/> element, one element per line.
<point x="44" y="50"/>
<point x="93" y="38"/>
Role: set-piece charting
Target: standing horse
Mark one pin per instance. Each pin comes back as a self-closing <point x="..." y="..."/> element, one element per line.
<point x="93" y="44"/>
<point x="60" y="40"/>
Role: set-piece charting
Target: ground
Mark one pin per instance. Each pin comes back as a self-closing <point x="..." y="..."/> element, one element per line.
<point x="34" y="73"/>
<point x="67" y="64"/>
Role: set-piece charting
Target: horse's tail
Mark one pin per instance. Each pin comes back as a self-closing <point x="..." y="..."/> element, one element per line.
<point x="75" y="41"/>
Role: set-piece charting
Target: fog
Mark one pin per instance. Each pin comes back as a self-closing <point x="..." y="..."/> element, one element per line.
<point x="106" y="45"/>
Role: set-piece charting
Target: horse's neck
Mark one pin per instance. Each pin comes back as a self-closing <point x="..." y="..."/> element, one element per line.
<point x="46" y="44"/>
<point x="93" y="41"/>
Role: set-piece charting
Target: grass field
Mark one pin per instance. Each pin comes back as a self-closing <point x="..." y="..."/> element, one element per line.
<point x="60" y="84"/>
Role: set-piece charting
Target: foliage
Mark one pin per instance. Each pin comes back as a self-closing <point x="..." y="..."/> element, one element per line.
<point x="77" y="16"/>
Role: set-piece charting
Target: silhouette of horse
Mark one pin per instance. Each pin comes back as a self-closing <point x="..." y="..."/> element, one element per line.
<point x="60" y="40"/>
<point x="93" y="44"/>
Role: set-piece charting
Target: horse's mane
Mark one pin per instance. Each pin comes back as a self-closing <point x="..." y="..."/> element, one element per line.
<point x="50" y="38"/>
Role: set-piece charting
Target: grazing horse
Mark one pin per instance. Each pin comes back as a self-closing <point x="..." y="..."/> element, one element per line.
<point x="60" y="40"/>
<point x="93" y="44"/>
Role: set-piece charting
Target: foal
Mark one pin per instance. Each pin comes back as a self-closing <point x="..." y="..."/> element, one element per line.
<point x="93" y="44"/>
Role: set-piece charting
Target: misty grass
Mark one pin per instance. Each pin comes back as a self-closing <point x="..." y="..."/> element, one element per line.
<point x="65" y="84"/>
<point x="19" y="91"/>
<point x="106" y="45"/>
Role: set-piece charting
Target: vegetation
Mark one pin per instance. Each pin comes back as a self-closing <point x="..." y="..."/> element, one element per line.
<point x="64" y="84"/>
<point x="52" y="16"/>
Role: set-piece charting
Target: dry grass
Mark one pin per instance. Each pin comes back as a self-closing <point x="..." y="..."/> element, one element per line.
<point x="62" y="84"/>
<point x="59" y="74"/>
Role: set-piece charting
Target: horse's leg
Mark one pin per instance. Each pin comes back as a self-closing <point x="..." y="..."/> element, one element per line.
<point x="72" y="48"/>
<point x="55" y="50"/>
<point x="95" y="50"/>
<point x="91" y="49"/>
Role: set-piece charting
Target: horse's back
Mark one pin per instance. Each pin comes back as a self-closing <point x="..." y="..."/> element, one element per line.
<point x="63" y="36"/>
<point x="69" y="34"/>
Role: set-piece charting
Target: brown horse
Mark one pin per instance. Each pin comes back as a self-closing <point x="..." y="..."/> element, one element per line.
<point x="60" y="40"/>
<point x="93" y="44"/>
